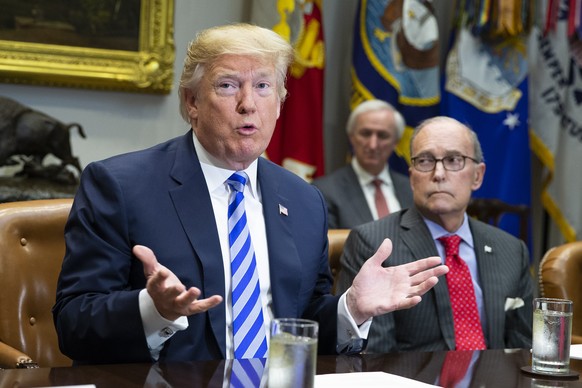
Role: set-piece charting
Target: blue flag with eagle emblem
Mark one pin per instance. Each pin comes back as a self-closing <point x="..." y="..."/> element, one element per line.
<point x="396" y="59"/>
<point x="486" y="87"/>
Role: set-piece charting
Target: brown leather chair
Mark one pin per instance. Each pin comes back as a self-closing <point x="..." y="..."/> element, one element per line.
<point x="491" y="210"/>
<point x="32" y="247"/>
<point x="336" y="239"/>
<point x="560" y="276"/>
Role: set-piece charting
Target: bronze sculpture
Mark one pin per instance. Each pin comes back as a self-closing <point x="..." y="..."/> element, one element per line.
<point x="27" y="136"/>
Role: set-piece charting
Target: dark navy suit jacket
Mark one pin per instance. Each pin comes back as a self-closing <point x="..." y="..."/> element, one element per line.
<point x="158" y="198"/>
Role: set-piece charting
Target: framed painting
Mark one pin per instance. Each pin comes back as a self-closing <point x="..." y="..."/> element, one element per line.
<point x="122" y="45"/>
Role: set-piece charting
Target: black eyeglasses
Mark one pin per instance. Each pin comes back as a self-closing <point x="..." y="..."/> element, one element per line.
<point x="427" y="163"/>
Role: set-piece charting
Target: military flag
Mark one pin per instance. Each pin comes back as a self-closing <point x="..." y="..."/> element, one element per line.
<point x="556" y="114"/>
<point x="396" y="58"/>
<point x="486" y="87"/>
<point x="297" y="143"/>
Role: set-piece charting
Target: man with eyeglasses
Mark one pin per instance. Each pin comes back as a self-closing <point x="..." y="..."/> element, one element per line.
<point x="496" y="293"/>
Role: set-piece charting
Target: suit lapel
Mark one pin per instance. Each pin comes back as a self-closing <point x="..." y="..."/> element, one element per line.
<point x="351" y="186"/>
<point x="485" y="251"/>
<point x="284" y="263"/>
<point x="191" y="200"/>
<point x="418" y="239"/>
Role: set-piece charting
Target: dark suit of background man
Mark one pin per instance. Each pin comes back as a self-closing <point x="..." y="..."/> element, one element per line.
<point x="374" y="129"/>
<point x="447" y="165"/>
<point x="146" y="274"/>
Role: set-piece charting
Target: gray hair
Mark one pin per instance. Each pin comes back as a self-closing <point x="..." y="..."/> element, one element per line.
<point x="372" y="106"/>
<point x="234" y="39"/>
<point x="478" y="152"/>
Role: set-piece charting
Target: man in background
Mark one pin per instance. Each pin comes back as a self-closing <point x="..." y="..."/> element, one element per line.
<point x="367" y="189"/>
<point x="486" y="300"/>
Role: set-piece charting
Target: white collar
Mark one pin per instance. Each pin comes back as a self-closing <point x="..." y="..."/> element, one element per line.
<point x="438" y="231"/>
<point x="215" y="175"/>
<point x="366" y="178"/>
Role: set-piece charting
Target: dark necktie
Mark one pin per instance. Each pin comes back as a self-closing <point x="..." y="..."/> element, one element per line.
<point x="247" y="316"/>
<point x="467" y="324"/>
<point x="380" y="200"/>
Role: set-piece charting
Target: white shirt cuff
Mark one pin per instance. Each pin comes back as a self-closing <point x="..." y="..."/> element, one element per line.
<point x="157" y="329"/>
<point x="348" y="332"/>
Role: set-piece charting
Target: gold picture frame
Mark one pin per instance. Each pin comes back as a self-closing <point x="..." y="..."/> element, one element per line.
<point x="148" y="69"/>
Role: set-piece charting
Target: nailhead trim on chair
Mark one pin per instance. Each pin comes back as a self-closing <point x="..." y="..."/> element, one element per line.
<point x="27" y="364"/>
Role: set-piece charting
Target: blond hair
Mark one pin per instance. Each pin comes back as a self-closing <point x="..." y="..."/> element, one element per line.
<point x="233" y="39"/>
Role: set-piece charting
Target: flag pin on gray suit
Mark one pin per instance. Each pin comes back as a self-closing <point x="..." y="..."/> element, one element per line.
<point x="283" y="210"/>
<point x="488" y="249"/>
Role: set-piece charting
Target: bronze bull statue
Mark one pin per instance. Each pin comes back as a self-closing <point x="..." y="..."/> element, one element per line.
<point x="28" y="136"/>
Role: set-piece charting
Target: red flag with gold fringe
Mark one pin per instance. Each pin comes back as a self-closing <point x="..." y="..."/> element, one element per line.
<point x="297" y="142"/>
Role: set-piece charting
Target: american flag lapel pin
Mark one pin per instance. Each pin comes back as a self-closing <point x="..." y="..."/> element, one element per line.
<point x="283" y="210"/>
<point x="488" y="249"/>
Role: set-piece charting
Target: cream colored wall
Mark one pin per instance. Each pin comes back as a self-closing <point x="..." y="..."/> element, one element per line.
<point x="117" y="122"/>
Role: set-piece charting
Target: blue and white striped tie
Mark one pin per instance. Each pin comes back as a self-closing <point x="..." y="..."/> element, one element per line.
<point x="247" y="316"/>
<point x="247" y="373"/>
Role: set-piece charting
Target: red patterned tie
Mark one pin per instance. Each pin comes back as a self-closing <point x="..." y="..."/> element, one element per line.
<point x="468" y="330"/>
<point x="380" y="200"/>
<point x="454" y="368"/>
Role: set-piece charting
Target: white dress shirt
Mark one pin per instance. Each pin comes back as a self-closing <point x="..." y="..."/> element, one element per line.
<point x="158" y="329"/>
<point x="367" y="183"/>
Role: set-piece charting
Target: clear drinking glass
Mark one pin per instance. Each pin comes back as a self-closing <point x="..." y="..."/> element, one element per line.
<point x="552" y="332"/>
<point x="292" y="353"/>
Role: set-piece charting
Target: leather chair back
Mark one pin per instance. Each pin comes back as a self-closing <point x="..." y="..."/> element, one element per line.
<point x="336" y="239"/>
<point x="32" y="248"/>
<point x="560" y="276"/>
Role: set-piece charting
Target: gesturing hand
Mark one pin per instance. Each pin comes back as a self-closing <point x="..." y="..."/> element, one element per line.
<point x="170" y="296"/>
<point x="379" y="290"/>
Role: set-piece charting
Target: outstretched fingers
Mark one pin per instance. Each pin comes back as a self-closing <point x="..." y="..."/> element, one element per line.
<point x="379" y="290"/>
<point x="424" y="274"/>
<point x="202" y="305"/>
<point x="171" y="297"/>
<point x="426" y="265"/>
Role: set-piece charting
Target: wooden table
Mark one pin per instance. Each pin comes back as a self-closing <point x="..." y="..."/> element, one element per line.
<point x="493" y="368"/>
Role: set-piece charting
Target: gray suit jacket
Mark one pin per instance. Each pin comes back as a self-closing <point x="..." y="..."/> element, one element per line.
<point x="346" y="203"/>
<point x="503" y="265"/>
